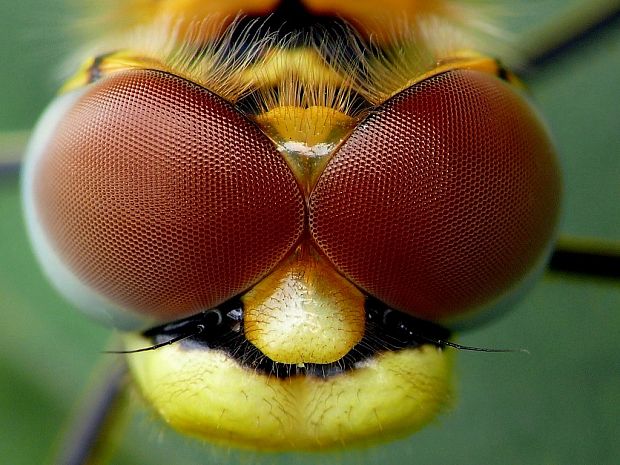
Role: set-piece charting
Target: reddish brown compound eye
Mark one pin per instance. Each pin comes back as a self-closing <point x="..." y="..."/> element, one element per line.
<point x="444" y="200"/>
<point x="161" y="198"/>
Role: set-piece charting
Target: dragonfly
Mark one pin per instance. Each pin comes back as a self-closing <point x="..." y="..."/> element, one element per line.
<point x="505" y="330"/>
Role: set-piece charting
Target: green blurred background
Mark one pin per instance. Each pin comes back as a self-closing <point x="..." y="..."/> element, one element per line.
<point x="558" y="405"/>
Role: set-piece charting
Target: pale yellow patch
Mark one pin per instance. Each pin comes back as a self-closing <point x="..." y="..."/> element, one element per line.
<point x="304" y="311"/>
<point x="207" y="394"/>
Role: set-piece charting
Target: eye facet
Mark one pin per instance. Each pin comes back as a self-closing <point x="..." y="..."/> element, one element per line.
<point x="160" y="197"/>
<point x="444" y="200"/>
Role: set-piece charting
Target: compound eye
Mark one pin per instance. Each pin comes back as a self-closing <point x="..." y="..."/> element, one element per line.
<point x="444" y="201"/>
<point x="154" y="197"/>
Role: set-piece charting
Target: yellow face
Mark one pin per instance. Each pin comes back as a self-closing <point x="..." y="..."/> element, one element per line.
<point x="305" y="196"/>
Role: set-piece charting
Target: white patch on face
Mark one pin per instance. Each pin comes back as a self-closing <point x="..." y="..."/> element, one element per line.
<point x="318" y="150"/>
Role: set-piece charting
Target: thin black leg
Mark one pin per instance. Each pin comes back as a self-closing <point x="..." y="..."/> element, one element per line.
<point x="89" y="434"/>
<point x="567" y="33"/>
<point x="587" y="258"/>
